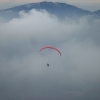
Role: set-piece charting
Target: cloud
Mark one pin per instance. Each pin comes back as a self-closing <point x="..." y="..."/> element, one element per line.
<point x="23" y="71"/>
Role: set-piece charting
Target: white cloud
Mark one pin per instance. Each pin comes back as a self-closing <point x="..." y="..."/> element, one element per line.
<point x="22" y="63"/>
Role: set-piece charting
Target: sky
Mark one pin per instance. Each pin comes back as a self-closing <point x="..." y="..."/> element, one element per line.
<point x="91" y="5"/>
<point x="24" y="74"/>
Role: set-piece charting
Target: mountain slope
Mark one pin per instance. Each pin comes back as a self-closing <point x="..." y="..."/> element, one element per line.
<point x="97" y="12"/>
<point x="61" y="10"/>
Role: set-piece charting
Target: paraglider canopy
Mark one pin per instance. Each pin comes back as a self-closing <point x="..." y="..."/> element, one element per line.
<point x="51" y="47"/>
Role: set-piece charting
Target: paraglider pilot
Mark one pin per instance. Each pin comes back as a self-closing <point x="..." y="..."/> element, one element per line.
<point x="48" y="65"/>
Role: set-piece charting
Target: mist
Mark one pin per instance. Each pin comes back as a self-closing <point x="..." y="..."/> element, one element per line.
<point x="24" y="74"/>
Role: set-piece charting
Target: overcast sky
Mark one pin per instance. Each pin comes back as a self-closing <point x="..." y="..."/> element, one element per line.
<point x="24" y="74"/>
<point x="91" y="5"/>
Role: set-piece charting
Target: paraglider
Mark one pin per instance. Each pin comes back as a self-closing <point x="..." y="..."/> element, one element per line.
<point x="50" y="47"/>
